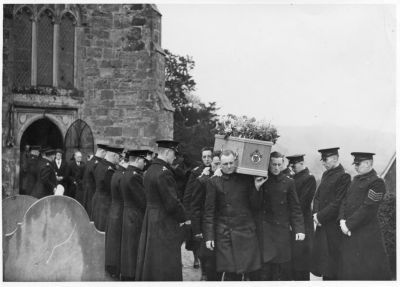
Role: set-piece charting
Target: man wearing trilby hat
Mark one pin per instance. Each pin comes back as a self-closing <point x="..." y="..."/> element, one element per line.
<point x="363" y="255"/>
<point x="327" y="200"/>
<point x="159" y="257"/>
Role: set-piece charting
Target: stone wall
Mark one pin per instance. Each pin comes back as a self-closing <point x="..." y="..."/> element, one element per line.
<point x="119" y="79"/>
<point x="123" y="74"/>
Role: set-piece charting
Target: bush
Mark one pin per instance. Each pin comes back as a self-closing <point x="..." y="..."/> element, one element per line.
<point x="387" y="218"/>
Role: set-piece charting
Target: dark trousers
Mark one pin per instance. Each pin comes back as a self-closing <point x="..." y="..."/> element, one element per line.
<point x="300" y="275"/>
<point x="208" y="263"/>
<point x="273" y="272"/>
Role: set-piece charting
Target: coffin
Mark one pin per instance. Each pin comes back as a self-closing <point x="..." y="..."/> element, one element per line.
<point x="252" y="155"/>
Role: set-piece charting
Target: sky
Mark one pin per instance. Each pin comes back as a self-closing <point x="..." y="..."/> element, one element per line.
<point x="293" y="65"/>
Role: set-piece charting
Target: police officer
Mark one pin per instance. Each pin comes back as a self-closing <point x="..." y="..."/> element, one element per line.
<point x="279" y="213"/>
<point x="134" y="199"/>
<point x="102" y="198"/>
<point x="89" y="183"/>
<point x="206" y="158"/>
<point x="327" y="201"/>
<point x="47" y="182"/>
<point x="31" y="176"/>
<point x="114" y="222"/>
<point x="207" y="257"/>
<point x="363" y="255"/>
<point x="305" y="188"/>
<point x="159" y="256"/>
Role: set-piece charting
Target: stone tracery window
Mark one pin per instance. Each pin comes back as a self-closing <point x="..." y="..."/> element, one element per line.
<point x="45" y="36"/>
<point x="44" y="48"/>
<point x="23" y="47"/>
<point x="66" y="52"/>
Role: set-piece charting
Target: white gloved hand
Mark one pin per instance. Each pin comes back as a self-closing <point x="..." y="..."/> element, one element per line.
<point x="300" y="236"/>
<point x="210" y="244"/>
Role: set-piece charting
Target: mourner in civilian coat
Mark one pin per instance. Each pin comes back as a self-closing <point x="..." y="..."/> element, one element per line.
<point x="103" y="173"/>
<point x="327" y="201"/>
<point x="207" y="257"/>
<point x="62" y="171"/>
<point x="159" y="257"/>
<point x="114" y="224"/>
<point x="46" y="182"/>
<point x="76" y="171"/>
<point x="228" y="221"/>
<point x="305" y="188"/>
<point x="191" y="242"/>
<point x="363" y="255"/>
<point x="279" y="212"/>
<point x="89" y="183"/>
<point x="134" y="199"/>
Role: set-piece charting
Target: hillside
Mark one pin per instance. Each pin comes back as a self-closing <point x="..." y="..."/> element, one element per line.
<point x="308" y="140"/>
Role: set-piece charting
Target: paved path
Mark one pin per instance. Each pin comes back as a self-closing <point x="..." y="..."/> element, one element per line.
<point x="191" y="274"/>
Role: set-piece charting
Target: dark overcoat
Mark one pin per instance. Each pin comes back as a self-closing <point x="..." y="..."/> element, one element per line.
<point x="89" y="184"/>
<point x="159" y="257"/>
<point x="327" y="237"/>
<point x="101" y="201"/>
<point x="191" y="242"/>
<point x="228" y="220"/>
<point x="75" y="179"/>
<point x="114" y="224"/>
<point x="301" y="250"/>
<point x="278" y="212"/>
<point x="47" y="180"/>
<point x="363" y="255"/>
<point x="134" y="199"/>
<point x="32" y="173"/>
<point x="197" y="212"/>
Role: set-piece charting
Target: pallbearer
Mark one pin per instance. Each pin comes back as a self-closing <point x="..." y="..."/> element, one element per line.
<point x="114" y="223"/>
<point x="102" y="198"/>
<point x="134" y="199"/>
<point x="89" y="183"/>
<point x="327" y="201"/>
<point x="159" y="257"/>
<point x="363" y="255"/>
<point x="305" y="188"/>
<point x="47" y="181"/>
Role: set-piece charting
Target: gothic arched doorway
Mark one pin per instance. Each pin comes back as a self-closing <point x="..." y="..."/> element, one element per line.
<point x="42" y="132"/>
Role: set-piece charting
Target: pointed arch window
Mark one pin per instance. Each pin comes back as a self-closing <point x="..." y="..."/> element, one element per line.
<point x="45" y="49"/>
<point x="66" y="52"/>
<point x="23" y="47"/>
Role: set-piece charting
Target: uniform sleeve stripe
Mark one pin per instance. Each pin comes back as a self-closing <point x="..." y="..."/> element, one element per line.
<point x="374" y="195"/>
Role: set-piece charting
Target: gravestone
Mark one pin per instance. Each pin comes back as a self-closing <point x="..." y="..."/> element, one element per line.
<point x="14" y="208"/>
<point x="55" y="241"/>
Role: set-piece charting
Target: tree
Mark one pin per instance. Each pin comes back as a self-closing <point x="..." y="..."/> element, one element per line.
<point x="193" y="120"/>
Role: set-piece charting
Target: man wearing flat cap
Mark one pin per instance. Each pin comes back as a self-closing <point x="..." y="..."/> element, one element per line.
<point x="47" y="182"/>
<point x="102" y="198"/>
<point x="159" y="257"/>
<point x="363" y="255"/>
<point x="134" y="199"/>
<point x="114" y="222"/>
<point x="327" y="201"/>
<point x="89" y="183"/>
<point x="305" y="188"/>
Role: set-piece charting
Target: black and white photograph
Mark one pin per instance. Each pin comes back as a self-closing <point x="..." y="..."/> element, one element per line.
<point x="207" y="141"/>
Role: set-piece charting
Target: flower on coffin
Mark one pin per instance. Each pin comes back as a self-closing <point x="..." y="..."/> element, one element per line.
<point x="244" y="127"/>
